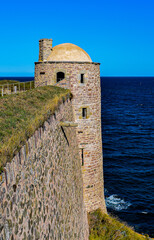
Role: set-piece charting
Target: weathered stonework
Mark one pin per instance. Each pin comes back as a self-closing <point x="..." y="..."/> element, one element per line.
<point x="45" y="48"/>
<point x="41" y="189"/>
<point x="85" y="95"/>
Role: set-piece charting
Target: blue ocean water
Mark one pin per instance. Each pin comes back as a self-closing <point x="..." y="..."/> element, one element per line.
<point x="21" y="79"/>
<point x="128" y="149"/>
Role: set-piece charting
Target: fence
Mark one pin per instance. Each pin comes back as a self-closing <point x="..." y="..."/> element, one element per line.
<point x="9" y="88"/>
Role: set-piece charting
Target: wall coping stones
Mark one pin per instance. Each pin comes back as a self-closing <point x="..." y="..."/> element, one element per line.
<point x="46" y="62"/>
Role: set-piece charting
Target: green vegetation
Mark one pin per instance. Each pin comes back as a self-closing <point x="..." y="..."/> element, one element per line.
<point x="9" y="86"/>
<point x="105" y="227"/>
<point x="22" y="113"/>
<point x="8" y="81"/>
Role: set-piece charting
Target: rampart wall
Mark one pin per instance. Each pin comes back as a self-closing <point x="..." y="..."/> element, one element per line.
<point x="41" y="189"/>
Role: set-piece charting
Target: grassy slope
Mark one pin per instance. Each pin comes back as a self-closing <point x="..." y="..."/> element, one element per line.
<point x="21" y="114"/>
<point x="8" y="81"/>
<point x="105" y="227"/>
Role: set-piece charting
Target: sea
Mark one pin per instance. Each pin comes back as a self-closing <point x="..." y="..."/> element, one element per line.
<point x="128" y="148"/>
<point x="21" y="79"/>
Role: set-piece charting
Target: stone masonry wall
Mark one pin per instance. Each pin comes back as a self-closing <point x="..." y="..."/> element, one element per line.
<point x="45" y="48"/>
<point x="85" y="95"/>
<point x="41" y="189"/>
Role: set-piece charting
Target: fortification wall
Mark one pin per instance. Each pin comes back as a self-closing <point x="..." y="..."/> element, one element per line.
<point x="41" y="189"/>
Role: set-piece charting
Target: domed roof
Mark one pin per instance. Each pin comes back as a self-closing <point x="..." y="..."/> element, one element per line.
<point x="68" y="52"/>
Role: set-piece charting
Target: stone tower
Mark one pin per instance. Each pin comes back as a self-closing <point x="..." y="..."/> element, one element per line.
<point x="69" y="66"/>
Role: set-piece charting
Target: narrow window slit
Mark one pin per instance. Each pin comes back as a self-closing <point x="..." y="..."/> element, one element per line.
<point x="84" y="112"/>
<point x="82" y="156"/>
<point x="82" y="78"/>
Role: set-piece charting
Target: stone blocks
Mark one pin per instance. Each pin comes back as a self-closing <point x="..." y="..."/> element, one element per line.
<point x="41" y="189"/>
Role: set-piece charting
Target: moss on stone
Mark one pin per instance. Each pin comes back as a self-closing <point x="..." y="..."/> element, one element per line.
<point x="1" y="170"/>
<point x="21" y="219"/>
<point x="9" y="223"/>
<point x="22" y="205"/>
<point x="5" y="204"/>
<point x="11" y="206"/>
<point x="16" y="229"/>
<point x="16" y="214"/>
<point x="30" y="214"/>
<point x="25" y="237"/>
<point x="17" y="178"/>
<point x="25" y="212"/>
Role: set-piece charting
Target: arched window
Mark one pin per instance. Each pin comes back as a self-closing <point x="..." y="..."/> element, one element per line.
<point x="60" y="76"/>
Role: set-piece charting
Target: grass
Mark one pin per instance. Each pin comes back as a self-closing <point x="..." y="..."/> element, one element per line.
<point x="8" y="86"/>
<point x="8" y="81"/>
<point x="105" y="227"/>
<point x="22" y="113"/>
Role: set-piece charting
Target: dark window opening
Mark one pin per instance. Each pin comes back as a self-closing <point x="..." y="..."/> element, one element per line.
<point x="82" y="78"/>
<point x="82" y="157"/>
<point x="14" y="187"/>
<point x="42" y="73"/>
<point x="60" y="76"/>
<point x="84" y="112"/>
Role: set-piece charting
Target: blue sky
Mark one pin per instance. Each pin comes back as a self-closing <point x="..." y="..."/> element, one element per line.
<point x="117" y="33"/>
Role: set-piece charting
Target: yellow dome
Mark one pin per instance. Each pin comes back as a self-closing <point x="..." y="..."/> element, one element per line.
<point x="68" y="52"/>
